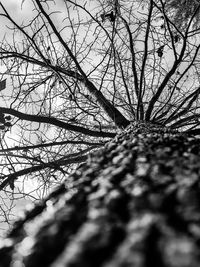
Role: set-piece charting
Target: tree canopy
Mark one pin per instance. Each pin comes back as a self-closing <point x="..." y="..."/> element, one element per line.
<point x="75" y="73"/>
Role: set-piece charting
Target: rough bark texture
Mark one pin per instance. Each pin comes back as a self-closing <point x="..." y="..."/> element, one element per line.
<point x="134" y="203"/>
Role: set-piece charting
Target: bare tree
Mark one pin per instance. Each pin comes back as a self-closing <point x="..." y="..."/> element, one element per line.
<point x="77" y="73"/>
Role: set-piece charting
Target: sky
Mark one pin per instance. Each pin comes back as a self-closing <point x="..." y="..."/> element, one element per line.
<point x="16" y="11"/>
<point x="19" y="14"/>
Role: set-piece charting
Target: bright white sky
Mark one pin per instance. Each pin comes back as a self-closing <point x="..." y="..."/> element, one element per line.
<point x="19" y="14"/>
<point x="14" y="9"/>
<point x="21" y="10"/>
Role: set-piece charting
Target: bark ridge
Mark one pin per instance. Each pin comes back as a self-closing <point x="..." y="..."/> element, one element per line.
<point x="133" y="203"/>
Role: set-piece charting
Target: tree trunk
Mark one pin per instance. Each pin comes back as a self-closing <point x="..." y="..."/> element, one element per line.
<point x="133" y="203"/>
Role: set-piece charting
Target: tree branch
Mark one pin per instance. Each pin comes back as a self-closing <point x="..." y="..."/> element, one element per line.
<point x="111" y="111"/>
<point x="51" y="144"/>
<point x="140" y="109"/>
<point x="56" y="164"/>
<point x="56" y="122"/>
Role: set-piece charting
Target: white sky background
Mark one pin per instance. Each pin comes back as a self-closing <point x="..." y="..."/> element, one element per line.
<point x="14" y="8"/>
<point x="21" y="13"/>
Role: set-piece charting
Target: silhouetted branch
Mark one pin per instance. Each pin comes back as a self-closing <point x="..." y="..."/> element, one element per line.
<point x="51" y="144"/>
<point x="56" y="122"/>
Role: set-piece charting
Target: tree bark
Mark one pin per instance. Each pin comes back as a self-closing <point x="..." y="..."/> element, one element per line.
<point x="133" y="203"/>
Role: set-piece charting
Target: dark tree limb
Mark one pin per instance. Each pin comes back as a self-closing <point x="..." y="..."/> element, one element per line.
<point x="56" y="122"/>
<point x="11" y="178"/>
<point x="51" y="144"/>
<point x="111" y="111"/>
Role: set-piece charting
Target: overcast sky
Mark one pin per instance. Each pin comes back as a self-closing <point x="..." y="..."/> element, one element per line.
<point x="15" y="10"/>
